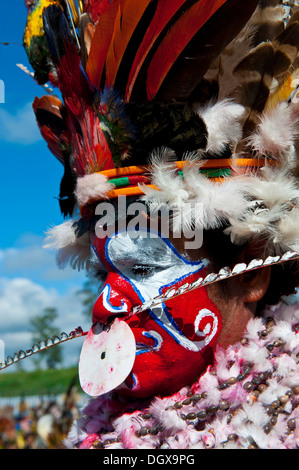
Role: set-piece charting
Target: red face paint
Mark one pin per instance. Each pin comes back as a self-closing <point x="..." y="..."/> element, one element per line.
<point x="173" y="341"/>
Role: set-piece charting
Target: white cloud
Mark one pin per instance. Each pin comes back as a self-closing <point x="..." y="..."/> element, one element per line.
<point x="22" y="299"/>
<point x="20" y="127"/>
<point x="19" y="300"/>
<point x="30" y="281"/>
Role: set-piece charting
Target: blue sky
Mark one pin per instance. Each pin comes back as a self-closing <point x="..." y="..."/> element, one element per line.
<point x="29" y="185"/>
<point x="30" y="173"/>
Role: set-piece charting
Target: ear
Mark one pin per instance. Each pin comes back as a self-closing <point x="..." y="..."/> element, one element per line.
<point x="255" y="284"/>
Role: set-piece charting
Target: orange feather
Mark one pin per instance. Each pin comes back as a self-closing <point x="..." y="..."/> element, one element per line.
<point x="128" y="16"/>
<point x="100" y="43"/>
<point x="163" y="14"/>
<point x="179" y="35"/>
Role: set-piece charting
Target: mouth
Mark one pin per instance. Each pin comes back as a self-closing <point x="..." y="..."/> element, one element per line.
<point x="142" y="348"/>
<point x="156" y="340"/>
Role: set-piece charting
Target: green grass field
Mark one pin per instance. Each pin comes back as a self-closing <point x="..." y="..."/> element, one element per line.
<point x="38" y="382"/>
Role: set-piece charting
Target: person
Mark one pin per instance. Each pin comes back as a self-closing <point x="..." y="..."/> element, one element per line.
<point x="177" y="134"/>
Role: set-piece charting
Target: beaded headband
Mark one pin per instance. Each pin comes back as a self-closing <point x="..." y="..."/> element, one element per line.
<point x="127" y="179"/>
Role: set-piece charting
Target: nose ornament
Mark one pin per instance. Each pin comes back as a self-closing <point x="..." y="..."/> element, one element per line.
<point x="107" y="358"/>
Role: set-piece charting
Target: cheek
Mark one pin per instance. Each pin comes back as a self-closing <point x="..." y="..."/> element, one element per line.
<point x="195" y="314"/>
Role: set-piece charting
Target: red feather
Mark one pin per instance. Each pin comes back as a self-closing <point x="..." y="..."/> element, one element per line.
<point x="90" y="151"/>
<point x="179" y="35"/>
<point x="128" y="16"/>
<point x="95" y="8"/>
<point x="100" y="43"/>
<point x="48" y="112"/>
<point x="55" y="142"/>
<point x="82" y="121"/>
<point x="164" y="12"/>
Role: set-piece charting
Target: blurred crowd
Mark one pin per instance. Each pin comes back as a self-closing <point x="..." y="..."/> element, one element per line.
<point x="42" y="425"/>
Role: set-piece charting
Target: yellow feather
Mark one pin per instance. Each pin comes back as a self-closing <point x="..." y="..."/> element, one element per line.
<point x="284" y="92"/>
<point x="34" y="25"/>
<point x="81" y="6"/>
<point x="74" y="9"/>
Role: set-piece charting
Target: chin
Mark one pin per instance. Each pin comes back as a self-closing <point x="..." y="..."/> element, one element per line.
<point x="164" y="379"/>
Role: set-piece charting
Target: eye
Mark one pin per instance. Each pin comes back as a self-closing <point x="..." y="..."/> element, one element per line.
<point x="143" y="271"/>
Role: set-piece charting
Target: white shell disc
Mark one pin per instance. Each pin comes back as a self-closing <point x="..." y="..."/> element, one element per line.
<point x="107" y="358"/>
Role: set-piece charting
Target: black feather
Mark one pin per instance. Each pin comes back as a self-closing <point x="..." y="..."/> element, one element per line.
<point x="172" y="125"/>
<point x="189" y="69"/>
<point x="67" y="198"/>
<point x="57" y="32"/>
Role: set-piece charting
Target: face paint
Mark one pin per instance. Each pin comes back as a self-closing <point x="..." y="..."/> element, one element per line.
<point x="173" y="341"/>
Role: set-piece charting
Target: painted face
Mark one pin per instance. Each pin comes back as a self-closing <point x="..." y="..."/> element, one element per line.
<point x="173" y="341"/>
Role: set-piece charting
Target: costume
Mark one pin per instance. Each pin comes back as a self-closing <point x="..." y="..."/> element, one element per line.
<point x="186" y="112"/>
<point x="247" y="399"/>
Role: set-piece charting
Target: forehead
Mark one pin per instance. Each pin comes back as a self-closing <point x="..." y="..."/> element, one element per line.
<point x="140" y="221"/>
<point x="123" y="208"/>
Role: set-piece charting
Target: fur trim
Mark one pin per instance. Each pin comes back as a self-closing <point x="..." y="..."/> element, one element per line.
<point x="92" y="187"/>
<point x="70" y="249"/>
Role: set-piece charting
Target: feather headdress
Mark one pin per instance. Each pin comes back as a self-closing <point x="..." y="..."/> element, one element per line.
<point x="180" y="102"/>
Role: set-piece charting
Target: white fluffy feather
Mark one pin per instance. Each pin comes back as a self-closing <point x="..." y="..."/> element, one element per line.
<point x="92" y="187"/>
<point x="169" y="418"/>
<point x="276" y="131"/>
<point x="254" y="205"/>
<point x="70" y="249"/>
<point x="61" y="236"/>
<point x="195" y="200"/>
<point x="223" y="124"/>
<point x="274" y="189"/>
<point x="288" y="233"/>
<point x="253" y="353"/>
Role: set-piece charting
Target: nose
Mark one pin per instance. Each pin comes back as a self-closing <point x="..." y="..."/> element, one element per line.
<point x="111" y="303"/>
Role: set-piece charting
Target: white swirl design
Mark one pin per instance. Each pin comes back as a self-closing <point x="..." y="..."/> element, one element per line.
<point x="210" y="328"/>
<point x="106" y="301"/>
